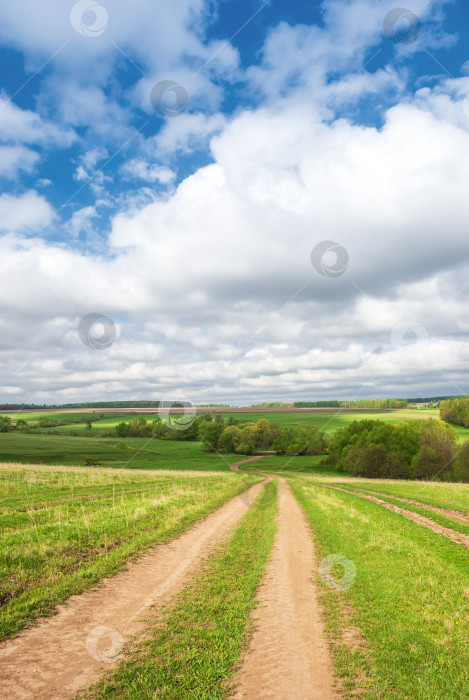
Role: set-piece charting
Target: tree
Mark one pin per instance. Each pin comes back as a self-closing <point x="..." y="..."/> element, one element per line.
<point x="5" y="424"/>
<point x="284" y="438"/>
<point x="427" y="462"/>
<point x="263" y="433"/>
<point x="461" y="464"/>
<point x="210" y="434"/>
<point x="122" y="429"/>
<point x="230" y="439"/>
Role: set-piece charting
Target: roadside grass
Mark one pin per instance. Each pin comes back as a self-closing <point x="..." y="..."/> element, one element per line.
<point x="410" y="599"/>
<point x="198" y="640"/>
<point x="432" y="493"/>
<point x="131" y="453"/>
<point x="63" y="530"/>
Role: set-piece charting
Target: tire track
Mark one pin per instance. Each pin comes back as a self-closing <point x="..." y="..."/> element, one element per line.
<point x="447" y="512"/>
<point x="452" y="535"/>
<point x="288" y="655"/>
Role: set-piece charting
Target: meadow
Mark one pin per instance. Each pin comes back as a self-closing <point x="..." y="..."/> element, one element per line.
<point x="76" y="444"/>
<point x="63" y="529"/>
<point x="126" y="453"/>
<point x="398" y="627"/>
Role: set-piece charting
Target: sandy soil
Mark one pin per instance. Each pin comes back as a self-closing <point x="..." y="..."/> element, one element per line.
<point x="415" y="517"/>
<point x="69" y="651"/>
<point x="288" y="656"/>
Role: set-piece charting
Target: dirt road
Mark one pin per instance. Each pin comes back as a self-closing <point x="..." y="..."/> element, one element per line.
<point x="62" y="654"/>
<point x="235" y="467"/>
<point x="288" y="655"/>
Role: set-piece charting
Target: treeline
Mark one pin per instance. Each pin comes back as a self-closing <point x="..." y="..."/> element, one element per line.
<point x="456" y="411"/>
<point x="363" y="403"/>
<point x="420" y="449"/>
<point x="92" y="404"/>
<point x="236" y="436"/>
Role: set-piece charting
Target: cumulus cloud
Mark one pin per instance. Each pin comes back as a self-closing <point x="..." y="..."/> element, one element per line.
<point x="211" y="282"/>
<point x="28" y="211"/>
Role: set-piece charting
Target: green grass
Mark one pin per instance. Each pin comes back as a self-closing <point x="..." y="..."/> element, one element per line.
<point x="132" y="453"/>
<point x="194" y="647"/>
<point x="410" y="599"/>
<point x="64" y="529"/>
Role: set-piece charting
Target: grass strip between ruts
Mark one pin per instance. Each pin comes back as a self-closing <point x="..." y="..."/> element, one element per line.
<point x="198" y="640"/>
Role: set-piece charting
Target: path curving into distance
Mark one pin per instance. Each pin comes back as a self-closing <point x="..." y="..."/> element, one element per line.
<point x="235" y="467"/>
<point x="53" y="659"/>
<point x="288" y="656"/>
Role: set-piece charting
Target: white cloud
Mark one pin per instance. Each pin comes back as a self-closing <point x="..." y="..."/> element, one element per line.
<point x="211" y="278"/>
<point x="28" y="211"/>
<point x="137" y="169"/>
<point x="211" y="283"/>
<point x="81" y="220"/>
<point x="24" y="126"/>
<point x="16" y="159"/>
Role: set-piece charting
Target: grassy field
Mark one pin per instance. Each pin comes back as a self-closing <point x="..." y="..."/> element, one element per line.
<point x="56" y="445"/>
<point x="193" y="648"/>
<point x="64" y="529"/>
<point x="131" y="453"/>
<point x="409" y="601"/>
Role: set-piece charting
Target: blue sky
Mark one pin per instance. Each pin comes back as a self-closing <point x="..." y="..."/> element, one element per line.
<point x="192" y="232"/>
